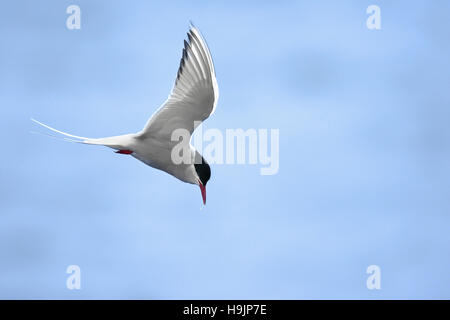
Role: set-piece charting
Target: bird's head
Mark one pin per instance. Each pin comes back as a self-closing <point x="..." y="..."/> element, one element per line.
<point x="203" y="174"/>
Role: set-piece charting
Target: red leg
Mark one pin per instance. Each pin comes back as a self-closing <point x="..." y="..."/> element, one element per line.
<point x="124" y="151"/>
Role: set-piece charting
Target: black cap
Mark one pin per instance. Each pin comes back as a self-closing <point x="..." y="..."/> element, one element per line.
<point x="203" y="170"/>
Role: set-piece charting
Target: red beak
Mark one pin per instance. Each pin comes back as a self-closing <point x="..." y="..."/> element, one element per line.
<point x="203" y="190"/>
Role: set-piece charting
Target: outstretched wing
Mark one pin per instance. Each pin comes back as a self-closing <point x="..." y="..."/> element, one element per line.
<point x="194" y="95"/>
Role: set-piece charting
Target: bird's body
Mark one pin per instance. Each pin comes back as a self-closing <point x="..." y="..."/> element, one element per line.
<point x="158" y="155"/>
<point x="192" y="100"/>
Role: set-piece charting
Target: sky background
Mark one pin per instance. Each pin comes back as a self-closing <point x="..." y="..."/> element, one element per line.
<point x="364" y="152"/>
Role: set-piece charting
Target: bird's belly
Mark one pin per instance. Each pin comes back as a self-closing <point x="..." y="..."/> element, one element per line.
<point x="159" y="157"/>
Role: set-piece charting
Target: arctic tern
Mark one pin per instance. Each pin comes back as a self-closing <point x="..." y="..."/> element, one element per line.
<point x="192" y="100"/>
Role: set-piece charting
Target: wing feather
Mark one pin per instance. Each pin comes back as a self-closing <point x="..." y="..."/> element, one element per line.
<point x="194" y="95"/>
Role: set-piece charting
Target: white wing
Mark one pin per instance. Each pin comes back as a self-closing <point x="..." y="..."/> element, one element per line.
<point x="194" y="95"/>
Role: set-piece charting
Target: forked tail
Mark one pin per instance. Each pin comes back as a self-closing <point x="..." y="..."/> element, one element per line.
<point x="117" y="142"/>
<point x="74" y="138"/>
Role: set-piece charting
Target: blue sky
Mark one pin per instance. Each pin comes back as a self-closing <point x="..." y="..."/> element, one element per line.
<point x="364" y="148"/>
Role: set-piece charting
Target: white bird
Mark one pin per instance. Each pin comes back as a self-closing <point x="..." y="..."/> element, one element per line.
<point x="192" y="100"/>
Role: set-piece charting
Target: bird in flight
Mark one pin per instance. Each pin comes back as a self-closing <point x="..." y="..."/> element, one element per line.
<point x="192" y="100"/>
